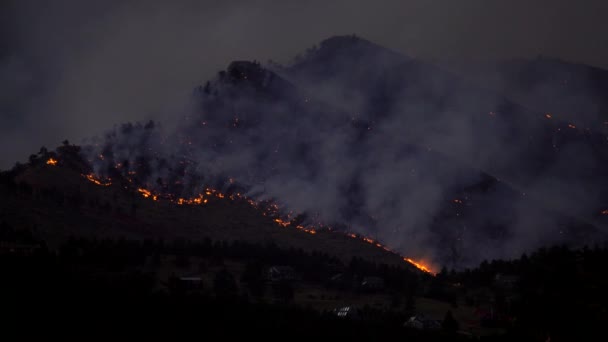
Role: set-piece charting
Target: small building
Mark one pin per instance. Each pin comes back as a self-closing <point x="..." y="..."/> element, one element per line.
<point x="340" y="281"/>
<point x="186" y="283"/>
<point x="506" y="281"/>
<point x="346" y="312"/>
<point x="281" y="273"/>
<point x="421" y="322"/>
<point x="372" y="284"/>
<point x="195" y="281"/>
<point x="16" y="248"/>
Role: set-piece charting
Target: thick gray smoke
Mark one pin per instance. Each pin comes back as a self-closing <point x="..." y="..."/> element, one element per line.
<point x="355" y="135"/>
<point x="71" y="68"/>
<point x="381" y="143"/>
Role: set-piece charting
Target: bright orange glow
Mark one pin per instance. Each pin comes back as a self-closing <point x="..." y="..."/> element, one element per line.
<point x="144" y="192"/>
<point x="269" y="209"/>
<point x="281" y="222"/>
<point x="51" y="161"/>
<point x="93" y="179"/>
<point x="420" y="265"/>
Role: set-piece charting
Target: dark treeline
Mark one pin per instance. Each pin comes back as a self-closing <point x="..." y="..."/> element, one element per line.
<point x="557" y="292"/>
<point x="86" y="281"/>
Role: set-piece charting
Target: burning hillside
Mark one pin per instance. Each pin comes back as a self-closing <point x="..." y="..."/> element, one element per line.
<point x="266" y="208"/>
<point x="356" y="162"/>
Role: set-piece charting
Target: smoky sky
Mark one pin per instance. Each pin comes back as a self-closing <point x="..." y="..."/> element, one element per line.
<point x="70" y="69"/>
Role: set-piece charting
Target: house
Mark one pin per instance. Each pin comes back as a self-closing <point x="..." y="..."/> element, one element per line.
<point x="480" y="297"/>
<point x="346" y="312"/>
<point x="186" y="283"/>
<point x="506" y="281"/>
<point x="340" y="281"/>
<point x="281" y="273"/>
<point x="16" y="248"/>
<point x="421" y="322"/>
<point x="191" y="281"/>
<point x="372" y="284"/>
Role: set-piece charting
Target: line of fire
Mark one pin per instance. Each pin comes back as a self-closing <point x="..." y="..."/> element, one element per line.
<point x="267" y="208"/>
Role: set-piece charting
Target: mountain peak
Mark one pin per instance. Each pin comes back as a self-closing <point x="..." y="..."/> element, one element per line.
<point x="344" y="41"/>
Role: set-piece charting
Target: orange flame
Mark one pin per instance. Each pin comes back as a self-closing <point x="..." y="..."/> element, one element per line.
<point x="281" y="222"/>
<point x="420" y="265"/>
<point x="271" y="210"/>
<point x="93" y="179"/>
<point x="147" y="193"/>
<point x="51" y="161"/>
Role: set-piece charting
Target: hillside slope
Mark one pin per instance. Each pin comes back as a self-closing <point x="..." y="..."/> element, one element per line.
<point x="59" y="201"/>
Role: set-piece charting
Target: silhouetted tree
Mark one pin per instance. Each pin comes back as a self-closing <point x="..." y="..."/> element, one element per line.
<point x="253" y="277"/>
<point x="283" y="290"/>
<point x="449" y="323"/>
<point x="224" y="285"/>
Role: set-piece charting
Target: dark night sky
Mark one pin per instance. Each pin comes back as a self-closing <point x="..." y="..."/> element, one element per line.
<point x="71" y="69"/>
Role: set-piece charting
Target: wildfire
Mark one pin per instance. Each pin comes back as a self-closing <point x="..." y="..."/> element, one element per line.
<point x="93" y="179"/>
<point x="281" y="222"/>
<point x="147" y="194"/>
<point x="420" y="265"/>
<point x="268" y="209"/>
<point x="51" y="161"/>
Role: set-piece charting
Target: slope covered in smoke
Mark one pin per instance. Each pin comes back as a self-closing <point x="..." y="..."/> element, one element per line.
<point x="573" y="92"/>
<point x="57" y="198"/>
<point x="359" y="137"/>
<point x="559" y="164"/>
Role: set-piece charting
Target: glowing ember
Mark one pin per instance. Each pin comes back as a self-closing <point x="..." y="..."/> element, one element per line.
<point x="51" y="161"/>
<point x="268" y="209"/>
<point x="93" y="179"/>
<point x="281" y="222"/>
<point x="147" y="194"/>
<point x="420" y="265"/>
